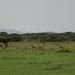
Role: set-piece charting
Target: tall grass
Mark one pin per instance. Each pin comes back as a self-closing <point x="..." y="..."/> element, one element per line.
<point x="16" y="60"/>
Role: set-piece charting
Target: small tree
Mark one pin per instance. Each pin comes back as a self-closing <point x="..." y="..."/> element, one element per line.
<point x="4" y="40"/>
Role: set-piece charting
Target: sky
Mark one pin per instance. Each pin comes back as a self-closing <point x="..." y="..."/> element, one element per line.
<point x="38" y="15"/>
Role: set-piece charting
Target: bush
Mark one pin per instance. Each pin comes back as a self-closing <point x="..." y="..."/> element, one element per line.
<point x="67" y="50"/>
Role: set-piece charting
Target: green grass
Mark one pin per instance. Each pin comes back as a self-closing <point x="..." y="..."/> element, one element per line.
<point x="15" y="60"/>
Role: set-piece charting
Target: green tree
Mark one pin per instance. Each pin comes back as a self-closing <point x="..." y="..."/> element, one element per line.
<point x="3" y="34"/>
<point x="4" y="40"/>
<point x="15" y="37"/>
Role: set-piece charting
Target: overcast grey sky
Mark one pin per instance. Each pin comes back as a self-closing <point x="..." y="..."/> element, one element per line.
<point x="38" y="15"/>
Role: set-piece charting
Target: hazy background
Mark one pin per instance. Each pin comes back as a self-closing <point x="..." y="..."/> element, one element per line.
<point x="38" y="15"/>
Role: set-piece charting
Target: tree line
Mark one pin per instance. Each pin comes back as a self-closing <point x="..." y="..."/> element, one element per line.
<point x="42" y="37"/>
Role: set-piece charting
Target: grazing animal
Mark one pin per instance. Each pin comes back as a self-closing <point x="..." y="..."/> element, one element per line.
<point x="25" y="47"/>
<point x="4" y="47"/>
<point x="40" y="47"/>
<point x="33" y="46"/>
<point x="62" y="47"/>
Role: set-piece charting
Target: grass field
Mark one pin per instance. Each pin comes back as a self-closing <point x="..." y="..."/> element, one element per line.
<point x="48" y="60"/>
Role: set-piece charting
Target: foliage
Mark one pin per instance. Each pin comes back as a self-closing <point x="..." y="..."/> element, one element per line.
<point x="3" y="34"/>
<point x="45" y="37"/>
<point x="15" y="37"/>
<point x="4" y="40"/>
<point x="42" y="37"/>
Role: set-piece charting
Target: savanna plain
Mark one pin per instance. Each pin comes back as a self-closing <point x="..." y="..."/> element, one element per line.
<point x="20" y="58"/>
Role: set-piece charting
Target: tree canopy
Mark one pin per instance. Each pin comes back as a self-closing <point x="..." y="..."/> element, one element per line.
<point x="42" y="37"/>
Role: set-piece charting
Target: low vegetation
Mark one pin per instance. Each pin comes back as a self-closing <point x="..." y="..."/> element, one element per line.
<point x="49" y="60"/>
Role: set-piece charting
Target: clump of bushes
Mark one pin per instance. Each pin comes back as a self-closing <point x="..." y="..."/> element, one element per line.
<point x="66" y="50"/>
<point x="53" y="68"/>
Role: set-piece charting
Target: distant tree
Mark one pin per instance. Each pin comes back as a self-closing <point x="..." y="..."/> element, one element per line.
<point x="73" y="39"/>
<point x="15" y="37"/>
<point x="43" y="39"/>
<point x="4" y="40"/>
<point x="3" y="34"/>
<point x="53" y="38"/>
